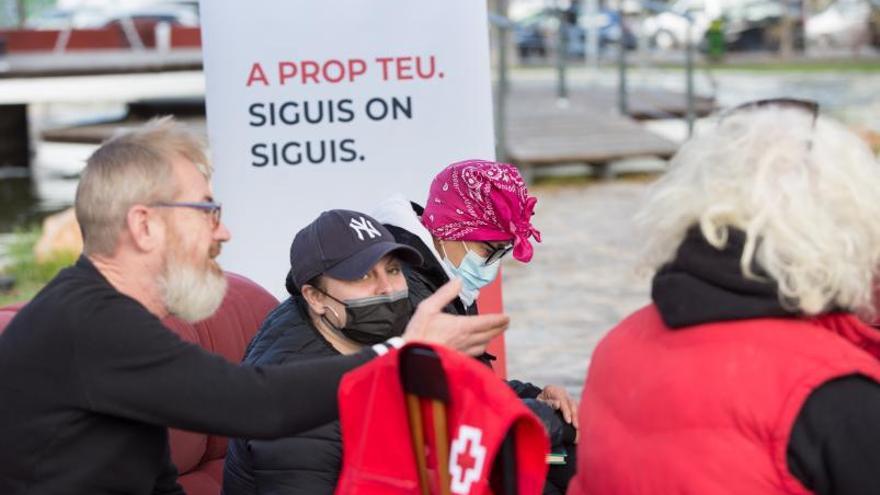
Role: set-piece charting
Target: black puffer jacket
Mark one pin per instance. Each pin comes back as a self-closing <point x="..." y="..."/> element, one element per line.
<point x="308" y="463"/>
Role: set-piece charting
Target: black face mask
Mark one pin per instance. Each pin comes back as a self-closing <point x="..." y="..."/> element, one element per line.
<point x="371" y="320"/>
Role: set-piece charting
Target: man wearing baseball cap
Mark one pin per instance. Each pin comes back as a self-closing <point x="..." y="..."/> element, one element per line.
<point x="348" y="291"/>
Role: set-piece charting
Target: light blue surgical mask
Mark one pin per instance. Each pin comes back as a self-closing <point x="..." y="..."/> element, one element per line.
<point x="473" y="272"/>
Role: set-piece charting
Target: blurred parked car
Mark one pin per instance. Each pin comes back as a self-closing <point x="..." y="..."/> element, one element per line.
<point x="95" y="18"/>
<point x="57" y="19"/>
<point x="138" y="24"/>
<point x="531" y="32"/>
<point x="667" y="30"/>
<point x="612" y="29"/>
<point x="843" y="23"/>
<point x="874" y="23"/>
<point x="537" y="34"/>
<point x="758" y="25"/>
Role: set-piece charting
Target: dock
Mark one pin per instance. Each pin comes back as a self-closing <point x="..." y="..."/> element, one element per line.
<point x="98" y="62"/>
<point x="55" y="53"/>
<point x="586" y="129"/>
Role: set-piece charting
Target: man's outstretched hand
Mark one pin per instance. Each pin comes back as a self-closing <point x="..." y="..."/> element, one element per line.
<point x="468" y="334"/>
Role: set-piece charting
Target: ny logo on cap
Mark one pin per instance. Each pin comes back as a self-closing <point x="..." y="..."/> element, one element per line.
<point x="364" y="226"/>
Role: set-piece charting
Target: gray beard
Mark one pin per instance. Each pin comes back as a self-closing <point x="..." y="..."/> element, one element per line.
<point x="190" y="293"/>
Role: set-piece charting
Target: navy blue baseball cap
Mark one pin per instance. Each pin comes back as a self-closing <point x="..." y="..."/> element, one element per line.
<point x="345" y="245"/>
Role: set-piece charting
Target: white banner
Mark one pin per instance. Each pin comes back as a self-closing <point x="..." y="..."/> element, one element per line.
<point x="336" y="104"/>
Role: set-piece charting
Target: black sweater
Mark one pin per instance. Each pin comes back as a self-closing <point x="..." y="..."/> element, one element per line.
<point x="833" y="448"/>
<point x="89" y="381"/>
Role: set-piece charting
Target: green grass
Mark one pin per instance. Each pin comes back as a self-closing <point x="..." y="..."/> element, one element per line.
<point x="765" y="64"/>
<point x="854" y="65"/>
<point x="552" y="181"/>
<point x="30" y="275"/>
<point x="566" y="180"/>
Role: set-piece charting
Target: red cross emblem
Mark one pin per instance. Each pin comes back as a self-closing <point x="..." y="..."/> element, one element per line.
<point x="466" y="458"/>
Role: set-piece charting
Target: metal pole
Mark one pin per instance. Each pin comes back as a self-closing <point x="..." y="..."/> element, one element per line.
<point x="21" y="12"/>
<point x="786" y="43"/>
<point x="502" y="89"/>
<point x="593" y="32"/>
<point x="689" y="76"/>
<point x="622" y="97"/>
<point x="561" y="88"/>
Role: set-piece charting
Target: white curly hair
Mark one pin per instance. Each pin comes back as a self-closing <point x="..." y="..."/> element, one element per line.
<point x="805" y="192"/>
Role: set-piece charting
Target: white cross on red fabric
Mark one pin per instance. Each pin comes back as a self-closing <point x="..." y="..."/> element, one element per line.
<point x="466" y="458"/>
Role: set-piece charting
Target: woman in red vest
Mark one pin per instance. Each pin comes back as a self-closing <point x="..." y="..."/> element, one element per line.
<point x="752" y="371"/>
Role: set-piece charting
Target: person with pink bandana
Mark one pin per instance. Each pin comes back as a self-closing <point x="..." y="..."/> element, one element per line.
<point x="477" y="212"/>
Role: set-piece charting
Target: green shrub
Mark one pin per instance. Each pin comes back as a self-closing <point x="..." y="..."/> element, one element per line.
<point x="30" y="275"/>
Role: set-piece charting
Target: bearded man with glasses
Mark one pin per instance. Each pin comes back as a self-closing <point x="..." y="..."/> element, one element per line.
<point x="90" y="379"/>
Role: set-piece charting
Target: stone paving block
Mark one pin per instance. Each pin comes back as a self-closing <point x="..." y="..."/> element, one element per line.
<point x="580" y="283"/>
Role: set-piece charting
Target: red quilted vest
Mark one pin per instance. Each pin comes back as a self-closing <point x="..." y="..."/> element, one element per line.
<point x="708" y="409"/>
<point x="377" y="451"/>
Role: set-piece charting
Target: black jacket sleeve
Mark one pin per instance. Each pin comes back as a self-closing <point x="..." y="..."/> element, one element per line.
<point x="524" y="390"/>
<point x="131" y="366"/>
<point x="834" y="447"/>
<point x="560" y="432"/>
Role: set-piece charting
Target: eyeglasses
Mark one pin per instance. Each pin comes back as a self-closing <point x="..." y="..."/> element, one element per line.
<point x="210" y="207"/>
<point x="809" y="106"/>
<point x="496" y="252"/>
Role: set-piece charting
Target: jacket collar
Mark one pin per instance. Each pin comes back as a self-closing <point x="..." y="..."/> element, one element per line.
<point x="703" y="284"/>
<point x="400" y="212"/>
<point x="286" y="329"/>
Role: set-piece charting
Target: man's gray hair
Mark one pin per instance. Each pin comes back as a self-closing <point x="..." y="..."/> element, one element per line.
<point x="133" y="168"/>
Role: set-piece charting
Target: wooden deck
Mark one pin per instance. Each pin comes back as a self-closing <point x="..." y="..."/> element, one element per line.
<point x="100" y="132"/>
<point x="188" y="110"/>
<point x="588" y="128"/>
<point x="96" y="62"/>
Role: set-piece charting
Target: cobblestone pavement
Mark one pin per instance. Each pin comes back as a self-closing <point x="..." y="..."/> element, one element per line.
<point x="581" y="281"/>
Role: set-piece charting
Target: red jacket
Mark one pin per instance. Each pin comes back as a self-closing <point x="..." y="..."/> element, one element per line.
<point x="378" y="453"/>
<point x="708" y="409"/>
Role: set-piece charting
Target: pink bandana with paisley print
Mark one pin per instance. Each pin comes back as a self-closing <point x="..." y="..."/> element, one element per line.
<point x="477" y="200"/>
